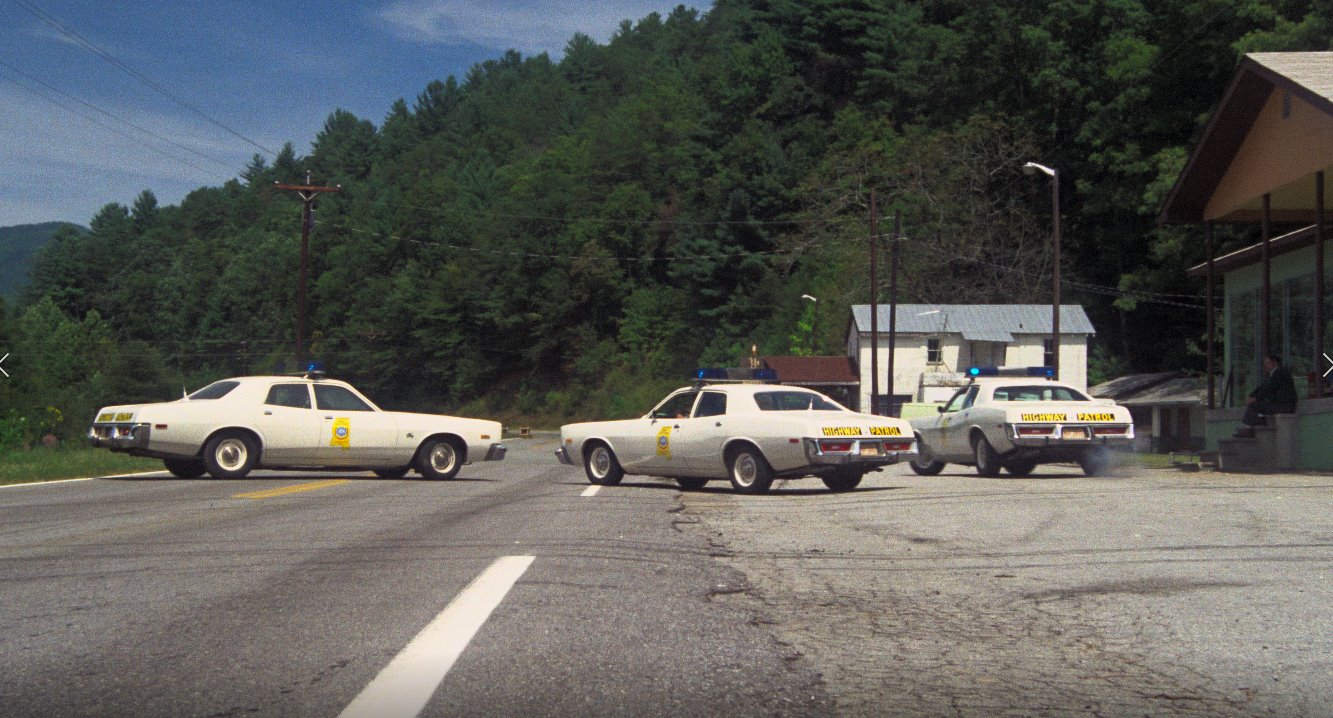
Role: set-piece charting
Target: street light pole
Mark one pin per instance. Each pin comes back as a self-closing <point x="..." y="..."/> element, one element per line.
<point x="814" y="320"/>
<point x="1029" y="168"/>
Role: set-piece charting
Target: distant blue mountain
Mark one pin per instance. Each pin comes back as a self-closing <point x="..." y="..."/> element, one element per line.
<point x="18" y="244"/>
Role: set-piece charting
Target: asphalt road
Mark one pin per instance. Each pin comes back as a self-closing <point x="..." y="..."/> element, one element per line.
<point x="1149" y="592"/>
<point x="153" y="596"/>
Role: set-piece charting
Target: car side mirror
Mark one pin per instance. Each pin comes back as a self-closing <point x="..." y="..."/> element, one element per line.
<point x="940" y="409"/>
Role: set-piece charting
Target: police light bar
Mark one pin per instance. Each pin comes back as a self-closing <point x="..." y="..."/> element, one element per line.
<point x="314" y="370"/>
<point x="735" y="374"/>
<point x="1042" y="371"/>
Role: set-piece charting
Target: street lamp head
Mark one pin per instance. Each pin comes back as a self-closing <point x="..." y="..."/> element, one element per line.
<point x="807" y="296"/>
<point x="1033" y="167"/>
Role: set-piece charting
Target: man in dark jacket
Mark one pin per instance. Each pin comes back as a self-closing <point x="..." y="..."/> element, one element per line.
<point x="1275" y="395"/>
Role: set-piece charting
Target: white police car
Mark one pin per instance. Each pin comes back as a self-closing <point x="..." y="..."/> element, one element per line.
<point x="235" y="425"/>
<point x="1017" y="418"/>
<point x="748" y="433"/>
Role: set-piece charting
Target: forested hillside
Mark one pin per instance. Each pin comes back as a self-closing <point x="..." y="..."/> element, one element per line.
<point x="552" y="237"/>
<point x="18" y="244"/>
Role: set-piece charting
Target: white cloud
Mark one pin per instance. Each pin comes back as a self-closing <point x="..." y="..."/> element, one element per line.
<point x="530" y="26"/>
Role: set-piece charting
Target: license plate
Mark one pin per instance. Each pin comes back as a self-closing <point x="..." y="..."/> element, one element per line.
<point x="871" y="450"/>
<point x="1075" y="433"/>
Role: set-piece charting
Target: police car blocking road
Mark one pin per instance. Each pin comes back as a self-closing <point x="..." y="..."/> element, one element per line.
<point x="235" y="425"/>
<point x="1016" y="419"/>
<point x="748" y="433"/>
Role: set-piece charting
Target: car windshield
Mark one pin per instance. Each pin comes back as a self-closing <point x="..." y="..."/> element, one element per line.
<point x="216" y="390"/>
<point x="793" y="401"/>
<point x="1037" y="392"/>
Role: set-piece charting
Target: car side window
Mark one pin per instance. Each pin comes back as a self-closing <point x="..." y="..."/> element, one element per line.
<point x="677" y="407"/>
<point x="956" y="402"/>
<point x="712" y="403"/>
<point x="336" y="398"/>
<point x="971" y="397"/>
<point x="296" y="396"/>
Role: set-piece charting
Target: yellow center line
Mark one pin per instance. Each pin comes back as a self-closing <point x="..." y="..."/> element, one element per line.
<point x="284" y="490"/>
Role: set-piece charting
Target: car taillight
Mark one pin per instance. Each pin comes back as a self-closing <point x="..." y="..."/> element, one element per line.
<point x="835" y="446"/>
<point x="1109" y="430"/>
<point x="1036" y="430"/>
<point x="897" y="446"/>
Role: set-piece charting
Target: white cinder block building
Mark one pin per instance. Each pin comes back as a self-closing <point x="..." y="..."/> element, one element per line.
<point x="936" y="342"/>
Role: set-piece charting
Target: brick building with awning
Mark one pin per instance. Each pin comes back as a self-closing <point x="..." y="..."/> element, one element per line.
<point x="1263" y="160"/>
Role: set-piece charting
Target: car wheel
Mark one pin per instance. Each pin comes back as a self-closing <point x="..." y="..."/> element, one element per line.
<point x="843" y="480"/>
<point x="1096" y="461"/>
<point x="988" y="462"/>
<point x="691" y="483"/>
<point x="923" y="463"/>
<point x="439" y="459"/>
<point x="1020" y="467"/>
<point x="231" y="455"/>
<point x="185" y="468"/>
<point x="750" y="472"/>
<point x="397" y="473"/>
<point x="600" y="463"/>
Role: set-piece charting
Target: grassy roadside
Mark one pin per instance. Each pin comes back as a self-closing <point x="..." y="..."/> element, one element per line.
<point x="48" y="464"/>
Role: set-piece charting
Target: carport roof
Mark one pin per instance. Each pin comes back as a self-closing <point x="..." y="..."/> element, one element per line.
<point x="976" y="322"/>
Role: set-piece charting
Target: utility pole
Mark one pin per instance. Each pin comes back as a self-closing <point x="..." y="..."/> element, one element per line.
<point x="874" y="306"/>
<point x="893" y="301"/>
<point x="307" y="192"/>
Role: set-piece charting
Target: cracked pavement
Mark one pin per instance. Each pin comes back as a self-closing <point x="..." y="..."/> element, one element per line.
<point x="1147" y="593"/>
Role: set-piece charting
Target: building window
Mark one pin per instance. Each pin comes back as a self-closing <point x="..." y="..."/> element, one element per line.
<point x="933" y="353"/>
<point x="1048" y="352"/>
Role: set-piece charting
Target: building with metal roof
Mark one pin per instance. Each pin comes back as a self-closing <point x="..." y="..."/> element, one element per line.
<point x="934" y="343"/>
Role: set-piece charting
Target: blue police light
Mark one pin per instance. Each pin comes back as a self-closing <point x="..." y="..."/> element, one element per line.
<point x="765" y="375"/>
<point x="314" y="370"/>
<point x="710" y="373"/>
<point x="975" y="371"/>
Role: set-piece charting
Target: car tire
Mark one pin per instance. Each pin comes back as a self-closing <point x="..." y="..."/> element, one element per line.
<point x="1096" y="461"/>
<point x="843" y="480"/>
<point x="231" y="455"/>
<point x="601" y="465"/>
<point x="691" y="483"/>
<point x="1022" y="467"/>
<point x="397" y="473"/>
<point x="988" y="461"/>
<point x="185" y="468"/>
<point x="749" y="471"/>
<point x="439" y="459"/>
<point x="923" y="464"/>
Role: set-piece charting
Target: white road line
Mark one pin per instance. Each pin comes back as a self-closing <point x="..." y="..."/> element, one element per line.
<point x="591" y="490"/>
<point x="404" y="687"/>
<point x="86" y="478"/>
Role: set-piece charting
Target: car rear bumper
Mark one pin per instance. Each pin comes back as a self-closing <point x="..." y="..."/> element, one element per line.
<point x="856" y="457"/>
<point x="562" y="455"/>
<point x="120" y="437"/>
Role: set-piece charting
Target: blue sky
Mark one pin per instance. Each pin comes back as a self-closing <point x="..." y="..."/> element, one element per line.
<point x="78" y="131"/>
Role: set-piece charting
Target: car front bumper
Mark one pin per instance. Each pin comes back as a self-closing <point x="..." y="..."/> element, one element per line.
<point x="562" y="455"/>
<point x="496" y="452"/>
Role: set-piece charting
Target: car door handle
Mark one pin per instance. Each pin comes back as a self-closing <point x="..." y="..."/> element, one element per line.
<point x="268" y="413"/>
<point x="328" y="417"/>
<point x="718" y="423"/>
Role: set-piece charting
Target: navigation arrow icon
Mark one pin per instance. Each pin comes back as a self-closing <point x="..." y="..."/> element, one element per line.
<point x="6" y="356"/>
<point x="1326" y="371"/>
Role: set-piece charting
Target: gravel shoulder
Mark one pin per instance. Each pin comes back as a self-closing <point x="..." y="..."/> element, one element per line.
<point x="1149" y="592"/>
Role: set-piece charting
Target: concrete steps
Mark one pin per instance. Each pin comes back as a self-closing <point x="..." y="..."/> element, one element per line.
<point x="1273" y="447"/>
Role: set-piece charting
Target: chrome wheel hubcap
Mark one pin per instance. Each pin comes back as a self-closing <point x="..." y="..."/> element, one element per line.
<point x="745" y="470"/>
<point x="442" y="458"/>
<point x="231" y="454"/>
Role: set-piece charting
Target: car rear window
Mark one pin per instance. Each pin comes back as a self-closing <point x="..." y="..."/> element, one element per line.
<point x="216" y="390"/>
<point x="793" y="401"/>
<point x="1037" y="392"/>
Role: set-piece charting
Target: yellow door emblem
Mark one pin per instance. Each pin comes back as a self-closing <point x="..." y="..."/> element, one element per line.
<point x="664" y="442"/>
<point x="342" y="433"/>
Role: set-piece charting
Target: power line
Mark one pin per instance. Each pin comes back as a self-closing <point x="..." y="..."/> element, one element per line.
<point x="121" y="120"/>
<point x="111" y="59"/>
